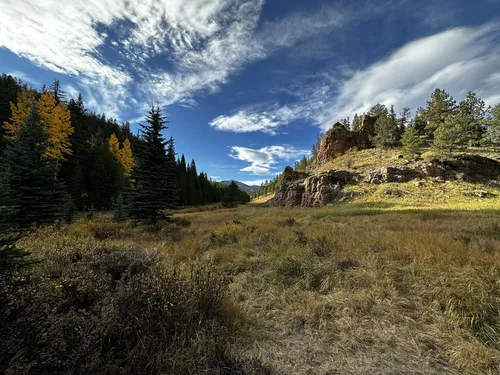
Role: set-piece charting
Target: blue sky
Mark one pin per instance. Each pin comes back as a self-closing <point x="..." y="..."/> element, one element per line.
<point x="248" y="84"/>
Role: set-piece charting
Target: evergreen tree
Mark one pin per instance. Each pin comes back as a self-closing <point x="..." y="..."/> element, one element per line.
<point x="412" y="142"/>
<point x="355" y="123"/>
<point x="470" y="117"/>
<point x="152" y="192"/>
<point x="106" y="176"/>
<point x="183" y="182"/>
<point x="449" y="135"/>
<point x="231" y="195"/>
<point x="492" y="134"/>
<point x="346" y="122"/>
<point x="120" y="212"/>
<point x="29" y="177"/>
<point x="403" y="122"/>
<point x="385" y="132"/>
<point x="55" y="89"/>
<point x="379" y="110"/>
<point x="439" y="107"/>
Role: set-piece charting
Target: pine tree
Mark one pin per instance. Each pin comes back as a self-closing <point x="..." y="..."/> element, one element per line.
<point x="120" y="212"/>
<point x="183" y="182"/>
<point x="448" y="135"/>
<point x="346" y="122"/>
<point x="384" y="132"/>
<point x="355" y="122"/>
<point x="379" y="110"/>
<point x="412" y="142"/>
<point x="492" y="134"/>
<point x="231" y="195"/>
<point x="170" y="175"/>
<point x="403" y="122"/>
<point x="29" y="177"/>
<point x="439" y="107"/>
<point x="58" y="94"/>
<point x="471" y="116"/>
<point x="152" y="192"/>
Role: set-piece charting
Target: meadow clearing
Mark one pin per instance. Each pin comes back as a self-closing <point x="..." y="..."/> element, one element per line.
<point x="358" y="288"/>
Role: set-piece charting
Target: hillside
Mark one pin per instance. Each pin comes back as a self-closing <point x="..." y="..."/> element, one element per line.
<point x="374" y="175"/>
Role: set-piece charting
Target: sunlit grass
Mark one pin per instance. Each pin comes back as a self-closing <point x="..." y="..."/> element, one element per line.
<point x="387" y="286"/>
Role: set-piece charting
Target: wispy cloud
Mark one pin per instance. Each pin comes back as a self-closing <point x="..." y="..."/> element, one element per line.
<point x="23" y="77"/>
<point x="263" y="160"/>
<point x="458" y="60"/>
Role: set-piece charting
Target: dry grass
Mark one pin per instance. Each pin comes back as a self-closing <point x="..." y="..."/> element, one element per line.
<point x="361" y="288"/>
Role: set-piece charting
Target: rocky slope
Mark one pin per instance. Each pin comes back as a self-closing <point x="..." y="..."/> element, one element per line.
<point x="318" y="190"/>
<point x="324" y="185"/>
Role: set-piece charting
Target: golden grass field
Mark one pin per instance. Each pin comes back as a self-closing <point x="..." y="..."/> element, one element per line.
<point x="358" y="288"/>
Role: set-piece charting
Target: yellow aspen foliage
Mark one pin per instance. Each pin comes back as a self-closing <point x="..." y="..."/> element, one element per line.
<point x="56" y="119"/>
<point x="127" y="158"/>
<point x="20" y="112"/>
<point x="114" y="146"/>
<point x="123" y="155"/>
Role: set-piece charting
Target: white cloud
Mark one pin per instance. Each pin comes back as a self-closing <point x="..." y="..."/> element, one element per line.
<point x="23" y="77"/>
<point x="254" y="182"/>
<point x="457" y="60"/>
<point x="262" y="160"/>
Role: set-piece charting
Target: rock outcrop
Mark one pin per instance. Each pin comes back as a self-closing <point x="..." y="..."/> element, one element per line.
<point x="299" y="189"/>
<point x="338" y="140"/>
<point x="391" y="174"/>
<point x="467" y="167"/>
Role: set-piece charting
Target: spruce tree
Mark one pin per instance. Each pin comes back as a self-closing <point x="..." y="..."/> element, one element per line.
<point x="28" y="177"/>
<point x="152" y="192"/>
<point x="120" y="212"/>
<point x="231" y="195"/>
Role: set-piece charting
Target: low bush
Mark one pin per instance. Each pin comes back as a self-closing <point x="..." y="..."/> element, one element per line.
<point x="113" y="311"/>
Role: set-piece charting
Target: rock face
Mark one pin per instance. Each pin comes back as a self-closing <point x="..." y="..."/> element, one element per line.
<point x="466" y="167"/>
<point x="299" y="189"/>
<point x="338" y="140"/>
<point x="302" y="189"/>
<point x="391" y="174"/>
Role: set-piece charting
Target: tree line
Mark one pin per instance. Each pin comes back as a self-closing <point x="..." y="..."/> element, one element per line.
<point x="58" y="157"/>
<point x="443" y="123"/>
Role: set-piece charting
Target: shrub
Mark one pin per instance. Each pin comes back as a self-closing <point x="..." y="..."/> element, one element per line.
<point x="110" y="311"/>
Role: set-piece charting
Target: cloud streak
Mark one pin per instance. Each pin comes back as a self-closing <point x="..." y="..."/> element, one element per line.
<point x="263" y="161"/>
<point x="458" y="60"/>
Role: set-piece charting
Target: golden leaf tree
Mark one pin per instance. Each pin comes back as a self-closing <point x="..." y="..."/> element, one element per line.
<point x="124" y="155"/>
<point x="20" y="112"/>
<point x="127" y="158"/>
<point x="56" y="119"/>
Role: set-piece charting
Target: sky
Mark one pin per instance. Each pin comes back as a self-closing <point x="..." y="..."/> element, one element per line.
<point x="247" y="85"/>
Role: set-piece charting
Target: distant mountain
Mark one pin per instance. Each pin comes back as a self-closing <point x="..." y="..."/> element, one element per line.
<point x="243" y="187"/>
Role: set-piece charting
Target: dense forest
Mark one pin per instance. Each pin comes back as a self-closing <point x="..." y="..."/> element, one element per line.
<point x="89" y="161"/>
<point x="442" y="125"/>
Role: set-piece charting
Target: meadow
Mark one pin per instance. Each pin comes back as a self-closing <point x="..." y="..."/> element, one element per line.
<point x="357" y="288"/>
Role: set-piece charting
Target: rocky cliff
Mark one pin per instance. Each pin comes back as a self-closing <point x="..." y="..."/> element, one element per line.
<point x="338" y="140"/>
<point x="311" y="190"/>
